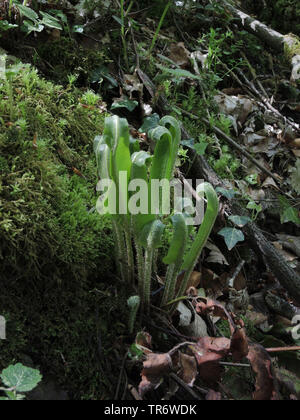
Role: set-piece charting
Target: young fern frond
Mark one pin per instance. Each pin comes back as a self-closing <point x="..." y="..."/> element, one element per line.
<point x="204" y="231"/>
<point x="150" y="239"/>
<point x="175" y="256"/>
<point x="133" y="302"/>
<point x="144" y="228"/>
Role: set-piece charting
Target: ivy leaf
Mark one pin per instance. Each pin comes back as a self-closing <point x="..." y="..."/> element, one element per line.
<point x="295" y="178"/>
<point x="240" y="221"/>
<point x="229" y="194"/>
<point x="290" y="214"/>
<point x="21" y="378"/>
<point x="125" y="103"/>
<point x="150" y="123"/>
<point x="232" y="236"/>
<point x="189" y="143"/>
<point x="201" y="148"/>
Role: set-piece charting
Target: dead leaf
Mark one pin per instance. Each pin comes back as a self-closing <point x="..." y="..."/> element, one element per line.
<point x="180" y="55"/>
<point x="155" y="367"/>
<point x="188" y="368"/>
<point x="262" y="366"/>
<point x="239" y="345"/>
<point x="208" y="352"/>
<point x="210" y="307"/>
<point x="215" y="255"/>
<point x="144" y="342"/>
<point x="213" y="396"/>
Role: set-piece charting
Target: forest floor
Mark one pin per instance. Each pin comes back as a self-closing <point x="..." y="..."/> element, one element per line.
<point x="66" y="308"/>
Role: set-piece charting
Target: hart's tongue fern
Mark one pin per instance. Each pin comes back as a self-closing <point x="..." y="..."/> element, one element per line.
<point x="144" y="230"/>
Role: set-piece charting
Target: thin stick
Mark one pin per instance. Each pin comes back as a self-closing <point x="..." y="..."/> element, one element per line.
<point x="235" y="364"/>
<point x="184" y="386"/>
<point x="282" y="349"/>
<point x="236" y="273"/>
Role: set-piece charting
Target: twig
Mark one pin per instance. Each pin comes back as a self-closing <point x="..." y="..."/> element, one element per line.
<point x="185" y="386"/>
<point x="120" y="376"/>
<point x="137" y="57"/>
<point x="243" y="365"/>
<point x="134" y="393"/>
<point x="236" y="273"/>
<point x="282" y="349"/>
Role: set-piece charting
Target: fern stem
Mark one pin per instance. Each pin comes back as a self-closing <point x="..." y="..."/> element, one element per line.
<point x="120" y="248"/>
<point x="147" y="279"/>
<point x="169" y="285"/>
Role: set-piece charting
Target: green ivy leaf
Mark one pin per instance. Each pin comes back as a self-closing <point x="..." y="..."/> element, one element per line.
<point x="149" y="123"/>
<point x="232" y="236"/>
<point x="125" y="103"/>
<point x="240" y="221"/>
<point x="20" y="377"/>
<point x="229" y="194"/>
<point x="201" y="148"/>
<point x="290" y="214"/>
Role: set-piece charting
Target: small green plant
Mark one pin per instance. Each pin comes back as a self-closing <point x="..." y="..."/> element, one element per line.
<point x="163" y="16"/>
<point x="133" y="303"/>
<point x="144" y="229"/>
<point x="18" y="379"/>
<point x="31" y="20"/>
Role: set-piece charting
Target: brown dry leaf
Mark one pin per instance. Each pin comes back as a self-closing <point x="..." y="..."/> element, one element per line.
<point x="215" y="255"/>
<point x="210" y="307"/>
<point x="132" y="84"/>
<point x="295" y="144"/>
<point x="239" y="344"/>
<point x="213" y="396"/>
<point x="270" y="182"/>
<point x="208" y="352"/>
<point x="262" y="366"/>
<point x="188" y="368"/>
<point x="144" y="342"/>
<point x="180" y="55"/>
<point x="194" y="280"/>
<point x="155" y="367"/>
<point x="296" y="153"/>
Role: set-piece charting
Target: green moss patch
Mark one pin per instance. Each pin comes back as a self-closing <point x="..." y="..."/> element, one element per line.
<point x="55" y="250"/>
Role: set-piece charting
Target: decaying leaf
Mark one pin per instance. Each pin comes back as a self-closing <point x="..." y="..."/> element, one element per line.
<point x="155" y="367"/>
<point x="262" y="366"/>
<point x="180" y="55"/>
<point x="144" y="341"/>
<point x="213" y="396"/>
<point x="239" y="345"/>
<point x="208" y="351"/>
<point x="188" y="369"/>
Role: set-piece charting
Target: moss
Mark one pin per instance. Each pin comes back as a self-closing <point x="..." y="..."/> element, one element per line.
<point x="291" y="46"/>
<point x="56" y="270"/>
<point x="47" y="178"/>
<point x="60" y="58"/>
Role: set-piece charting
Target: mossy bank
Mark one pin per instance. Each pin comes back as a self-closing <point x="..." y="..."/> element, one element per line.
<point x="55" y="250"/>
